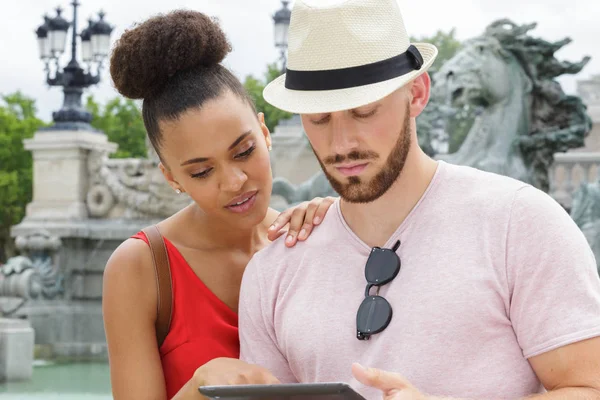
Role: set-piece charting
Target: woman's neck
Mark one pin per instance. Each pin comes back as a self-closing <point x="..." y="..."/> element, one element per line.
<point x="202" y="231"/>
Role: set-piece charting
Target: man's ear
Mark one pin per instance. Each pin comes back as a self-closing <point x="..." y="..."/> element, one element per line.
<point x="419" y="94"/>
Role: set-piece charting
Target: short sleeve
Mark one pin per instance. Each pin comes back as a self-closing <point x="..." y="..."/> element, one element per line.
<point x="258" y="343"/>
<point x="551" y="271"/>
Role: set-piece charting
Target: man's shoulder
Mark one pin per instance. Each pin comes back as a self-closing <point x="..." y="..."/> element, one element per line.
<point x="521" y="205"/>
<point x="474" y="188"/>
<point x="532" y="206"/>
<point x="274" y="252"/>
<point x="518" y="195"/>
<point x="461" y="175"/>
<point x="278" y="255"/>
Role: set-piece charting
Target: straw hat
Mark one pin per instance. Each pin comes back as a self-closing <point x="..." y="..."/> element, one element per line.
<point x="345" y="54"/>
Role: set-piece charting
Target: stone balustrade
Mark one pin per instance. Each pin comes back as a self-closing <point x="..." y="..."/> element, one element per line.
<point x="571" y="170"/>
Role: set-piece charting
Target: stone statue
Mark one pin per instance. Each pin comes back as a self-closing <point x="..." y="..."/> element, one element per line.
<point x="42" y="249"/>
<point x="521" y="116"/>
<point x="585" y="211"/>
<point x="130" y="188"/>
<point x="35" y="273"/>
<point x="19" y="280"/>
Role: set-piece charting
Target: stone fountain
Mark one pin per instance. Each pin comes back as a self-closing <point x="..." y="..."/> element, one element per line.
<point x="85" y="204"/>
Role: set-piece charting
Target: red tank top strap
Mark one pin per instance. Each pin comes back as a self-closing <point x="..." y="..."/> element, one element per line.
<point x="202" y="326"/>
<point x="140" y="235"/>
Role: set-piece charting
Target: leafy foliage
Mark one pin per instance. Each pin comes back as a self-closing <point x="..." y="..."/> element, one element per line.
<point x="255" y="88"/>
<point x="17" y="122"/>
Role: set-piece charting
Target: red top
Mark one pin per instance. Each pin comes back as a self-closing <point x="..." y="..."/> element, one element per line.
<point x="202" y="326"/>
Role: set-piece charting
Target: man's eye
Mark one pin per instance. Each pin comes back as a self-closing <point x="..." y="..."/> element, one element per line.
<point x="366" y="115"/>
<point x="321" y="121"/>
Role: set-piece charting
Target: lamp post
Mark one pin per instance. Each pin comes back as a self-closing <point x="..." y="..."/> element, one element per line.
<point x="95" y="45"/>
<point x="282" y="23"/>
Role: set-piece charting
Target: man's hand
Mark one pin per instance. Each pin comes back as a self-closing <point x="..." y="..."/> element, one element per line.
<point x="393" y="386"/>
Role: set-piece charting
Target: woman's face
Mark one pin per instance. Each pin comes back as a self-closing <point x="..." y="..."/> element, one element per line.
<point x="218" y="154"/>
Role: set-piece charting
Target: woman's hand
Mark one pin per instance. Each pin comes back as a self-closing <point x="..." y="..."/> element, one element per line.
<point x="224" y="371"/>
<point x="231" y="371"/>
<point x="301" y="218"/>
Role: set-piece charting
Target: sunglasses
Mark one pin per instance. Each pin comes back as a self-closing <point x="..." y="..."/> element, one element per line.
<point x="375" y="312"/>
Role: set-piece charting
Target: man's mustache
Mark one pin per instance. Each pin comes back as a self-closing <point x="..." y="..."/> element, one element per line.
<point x="352" y="156"/>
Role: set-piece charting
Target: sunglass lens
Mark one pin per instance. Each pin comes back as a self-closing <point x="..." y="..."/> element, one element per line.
<point x="382" y="266"/>
<point x="374" y="315"/>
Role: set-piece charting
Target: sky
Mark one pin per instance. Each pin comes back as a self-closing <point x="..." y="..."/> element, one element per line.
<point x="249" y="27"/>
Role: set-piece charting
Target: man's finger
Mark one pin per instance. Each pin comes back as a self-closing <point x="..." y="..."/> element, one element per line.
<point x="379" y="379"/>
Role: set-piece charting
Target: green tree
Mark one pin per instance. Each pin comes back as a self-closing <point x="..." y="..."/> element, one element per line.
<point x="459" y="124"/>
<point x="17" y="122"/>
<point x="255" y="88"/>
<point x="447" y="46"/>
<point x="446" y="43"/>
<point x="121" y="120"/>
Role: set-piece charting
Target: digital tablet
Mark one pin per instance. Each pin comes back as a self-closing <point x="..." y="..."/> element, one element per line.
<point x="288" y="391"/>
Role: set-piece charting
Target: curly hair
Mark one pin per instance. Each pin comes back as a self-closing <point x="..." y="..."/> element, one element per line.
<point x="173" y="63"/>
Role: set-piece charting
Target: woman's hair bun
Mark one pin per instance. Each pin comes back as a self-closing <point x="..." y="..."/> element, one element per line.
<point x="146" y="56"/>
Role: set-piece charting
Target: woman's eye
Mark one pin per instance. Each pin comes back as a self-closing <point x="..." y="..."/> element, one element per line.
<point x="202" y="174"/>
<point x="240" y="156"/>
<point x="246" y="153"/>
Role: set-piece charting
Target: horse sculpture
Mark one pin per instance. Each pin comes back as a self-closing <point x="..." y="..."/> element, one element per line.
<point x="521" y="116"/>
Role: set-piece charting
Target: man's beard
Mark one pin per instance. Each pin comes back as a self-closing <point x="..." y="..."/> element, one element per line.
<point x="355" y="190"/>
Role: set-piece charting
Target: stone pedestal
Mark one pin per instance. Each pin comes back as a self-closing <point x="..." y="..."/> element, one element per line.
<point x="16" y="350"/>
<point x="68" y="319"/>
<point x="60" y="177"/>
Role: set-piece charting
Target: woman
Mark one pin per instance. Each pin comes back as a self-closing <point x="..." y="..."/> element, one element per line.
<point x="213" y="147"/>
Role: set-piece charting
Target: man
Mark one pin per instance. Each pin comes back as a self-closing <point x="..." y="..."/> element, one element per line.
<point x="460" y="282"/>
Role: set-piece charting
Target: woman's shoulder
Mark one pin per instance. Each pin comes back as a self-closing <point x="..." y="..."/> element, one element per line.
<point x="132" y="251"/>
<point x="130" y="264"/>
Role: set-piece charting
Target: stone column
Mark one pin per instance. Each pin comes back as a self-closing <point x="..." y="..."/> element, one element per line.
<point x="60" y="177"/>
<point x="16" y="350"/>
<point x="292" y="155"/>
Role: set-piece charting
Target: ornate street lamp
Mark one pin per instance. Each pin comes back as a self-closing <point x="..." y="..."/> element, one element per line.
<point x="95" y="46"/>
<point x="282" y="23"/>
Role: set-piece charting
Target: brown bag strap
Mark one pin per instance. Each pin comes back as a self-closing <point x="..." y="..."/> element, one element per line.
<point x="163" y="282"/>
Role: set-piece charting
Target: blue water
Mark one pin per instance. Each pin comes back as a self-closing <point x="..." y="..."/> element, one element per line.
<point x="84" y="381"/>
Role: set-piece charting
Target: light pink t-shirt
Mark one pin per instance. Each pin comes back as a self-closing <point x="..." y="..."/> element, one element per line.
<point x="493" y="272"/>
